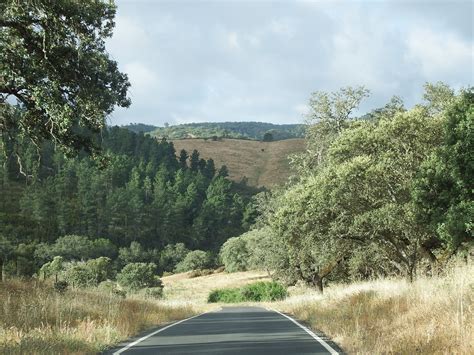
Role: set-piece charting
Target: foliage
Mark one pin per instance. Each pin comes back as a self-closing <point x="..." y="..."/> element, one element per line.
<point x="380" y="195"/>
<point x="234" y="254"/>
<point x="256" y="292"/>
<point x="128" y="211"/>
<point x="138" y="275"/>
<point x="444" y="188"/>
<point x="172" y="255"/>
<point x="240" y="130"/>
<point x="140" y="127"/>
<point x="194" y="260"/>
<point x="55" y="68"/>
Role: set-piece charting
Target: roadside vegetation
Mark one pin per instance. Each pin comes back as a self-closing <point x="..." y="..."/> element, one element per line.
<point x="254" y="292"/>
<point x="431" y="315"/>
<point x="37" y="319"/>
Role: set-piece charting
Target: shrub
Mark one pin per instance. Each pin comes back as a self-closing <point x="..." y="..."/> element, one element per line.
<point x="154" y="292"/>
<point x="80" y="275"/>
<point x="194" y="260"/>
<point x="256" y="292"/>
<point x="225" y="295"/>
<point x="99" y="268"/>
<point x="235" y="255"/>
<point x="138" y="275"/>
<point x="87" y="274"/>
<point x="171" y="255"/>
<point x="264" y="291"/>
<point x="60" y="286"/>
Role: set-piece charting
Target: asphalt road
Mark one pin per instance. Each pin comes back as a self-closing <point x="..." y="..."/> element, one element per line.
<point x="233" y="330"/>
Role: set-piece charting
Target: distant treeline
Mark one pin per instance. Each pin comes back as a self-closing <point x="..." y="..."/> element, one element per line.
<point x="241" y="130"/>
<point x="140" y="127"/>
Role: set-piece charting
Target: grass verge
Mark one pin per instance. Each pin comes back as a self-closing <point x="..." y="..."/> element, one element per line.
<point x="428" y="316"/>
<point x="35" y="319"/>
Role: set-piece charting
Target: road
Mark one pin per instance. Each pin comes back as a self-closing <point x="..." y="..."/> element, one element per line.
<point x="232" y="330"/>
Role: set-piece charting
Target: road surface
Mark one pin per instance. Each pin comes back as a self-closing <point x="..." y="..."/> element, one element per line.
<point x="232" y="330"/>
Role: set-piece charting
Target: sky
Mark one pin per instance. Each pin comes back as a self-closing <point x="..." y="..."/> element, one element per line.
<point x="249" y="60"/>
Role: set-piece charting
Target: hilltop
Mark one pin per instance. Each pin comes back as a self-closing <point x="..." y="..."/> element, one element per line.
<point x="263" y="163"/>
<point x="241" y="130"/>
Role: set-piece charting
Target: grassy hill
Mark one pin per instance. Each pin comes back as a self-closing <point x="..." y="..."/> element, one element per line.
<point x="263" y="163"/>
<point x="243" y="130"/>
<point x="139" y="127"/>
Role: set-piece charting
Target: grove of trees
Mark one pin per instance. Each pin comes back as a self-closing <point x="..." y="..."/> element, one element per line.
<point x="144" y="205"/>
<point x="389" y="193"/>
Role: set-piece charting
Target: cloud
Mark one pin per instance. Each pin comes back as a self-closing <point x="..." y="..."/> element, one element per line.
<point x="233" y="41"/>
<point x="260" y="60"/>
<point x="441" y="55"/>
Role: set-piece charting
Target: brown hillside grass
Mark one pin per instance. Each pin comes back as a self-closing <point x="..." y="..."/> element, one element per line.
<point x="263" y="163"/>
<point x="433" y="315"/>
<point x="393" y="316"/>
<point x="35" y="319"/>
<point x="181" y="288"/>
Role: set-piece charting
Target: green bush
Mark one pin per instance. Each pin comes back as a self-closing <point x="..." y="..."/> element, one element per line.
<point x="171" y="255"/>
<point x="79" y="275"/>
<point x="138" y="275"/>
<point x="87" y="274"/>
<point x="256" y="292"/>
<point x="228" y="295"/>
<point x="235" y="255"/>
<point x="194" y="260"/>
<point x="264" y="291"/>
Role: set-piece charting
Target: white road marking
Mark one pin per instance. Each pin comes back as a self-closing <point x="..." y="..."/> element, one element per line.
<point x="310" y="332"/>
<point x="155" y="332"/>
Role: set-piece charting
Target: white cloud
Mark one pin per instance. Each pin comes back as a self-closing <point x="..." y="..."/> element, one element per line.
<point x="233" y="41"/>
<point x="439" y="55"/>
<point x="142" y="78"/>
<point x="282" y="27"/>
<point x="129" y="37"/>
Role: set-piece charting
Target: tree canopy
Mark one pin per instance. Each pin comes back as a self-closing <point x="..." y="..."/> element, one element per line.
<point x="57" y="81"/>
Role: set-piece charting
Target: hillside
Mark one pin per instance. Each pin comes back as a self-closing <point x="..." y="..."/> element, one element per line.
<point x="263" y="163"/>
<point x="243" y="130"/>
<point x="139" y="127"/>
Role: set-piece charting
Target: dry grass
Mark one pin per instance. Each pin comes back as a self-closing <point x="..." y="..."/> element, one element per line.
<point x="34" y="319"/>
<point x="263" y="163"/>
<point x="430" y="316"/>
<point x="180" y="288"/>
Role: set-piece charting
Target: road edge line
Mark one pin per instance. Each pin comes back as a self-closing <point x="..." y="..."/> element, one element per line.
<point x="310" y="332"/>
<point x="125" y="348"/>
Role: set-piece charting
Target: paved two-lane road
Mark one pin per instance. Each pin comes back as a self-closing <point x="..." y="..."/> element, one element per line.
<point x="233" y="330"/>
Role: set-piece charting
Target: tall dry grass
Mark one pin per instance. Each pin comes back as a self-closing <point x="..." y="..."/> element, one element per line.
<point x="393" y="316"/>
<point x="35" y="319"/>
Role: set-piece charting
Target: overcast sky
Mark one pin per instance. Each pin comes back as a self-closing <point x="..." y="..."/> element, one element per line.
<point x="198" y="61"/>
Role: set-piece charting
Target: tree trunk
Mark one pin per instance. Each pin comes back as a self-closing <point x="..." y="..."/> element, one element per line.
<point x="3" y="264"/>
<point x="317" y="281"/>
